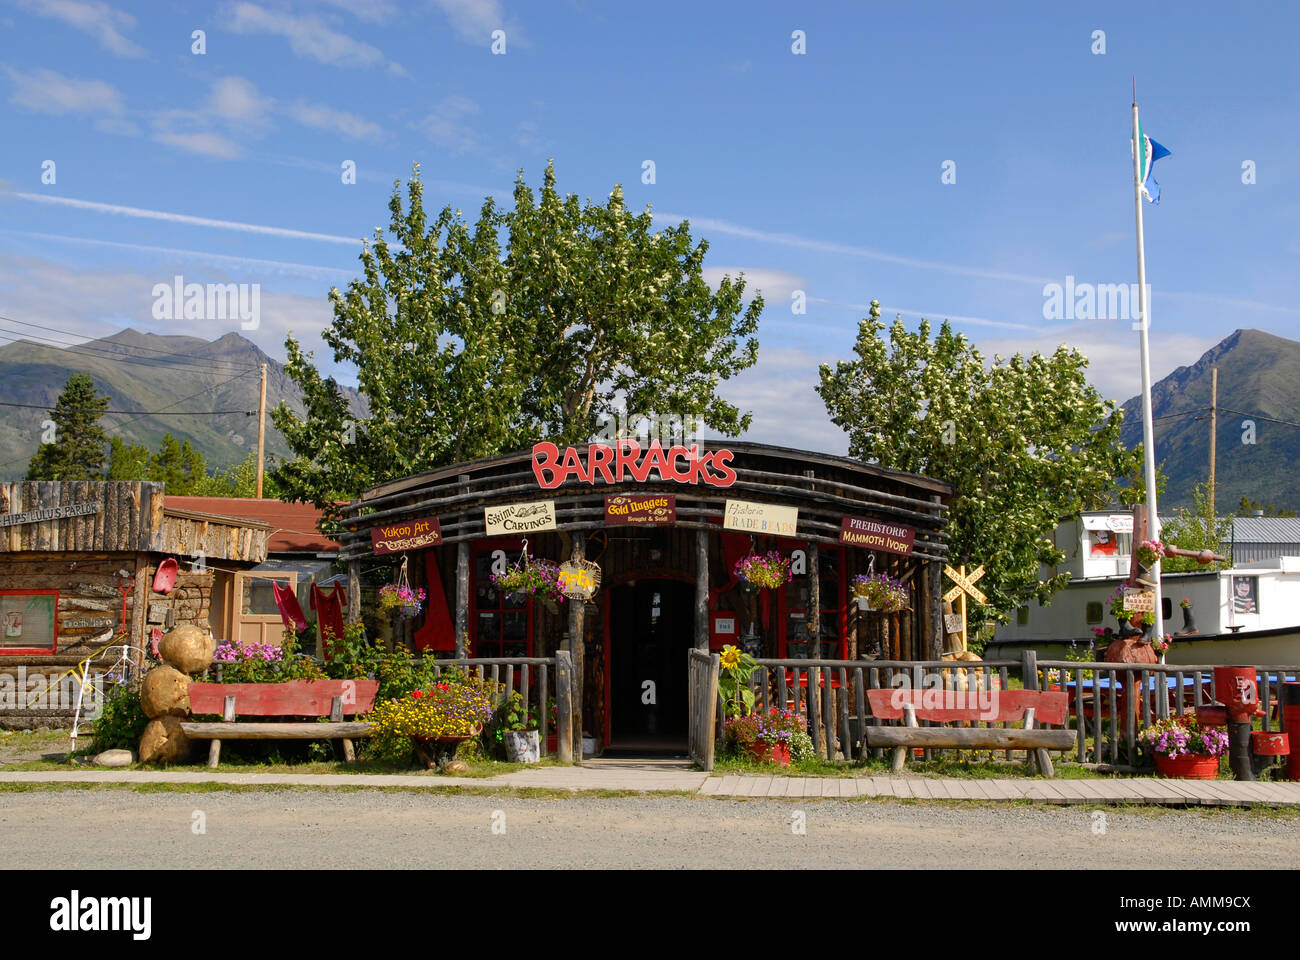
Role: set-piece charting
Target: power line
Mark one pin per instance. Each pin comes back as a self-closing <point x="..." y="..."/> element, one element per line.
<point x="143" y="413"/>
<point x="1256" y="416"/>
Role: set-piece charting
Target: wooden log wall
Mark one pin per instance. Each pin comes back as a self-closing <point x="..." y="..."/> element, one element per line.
<point x="127" y="516"/>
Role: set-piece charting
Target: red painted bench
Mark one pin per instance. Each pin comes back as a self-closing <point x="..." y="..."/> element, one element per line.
<point x="298" y="698"/>
<point x="959" y="706"/>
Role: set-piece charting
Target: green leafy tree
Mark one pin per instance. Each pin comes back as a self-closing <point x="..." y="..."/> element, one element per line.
<point x="1194" y="528"/>
<point x="127" y="461"/>
<point x="237" y="480"/>
<point x="76" y="451"/>
<point x="1133" y="490"/>
<point x="465" y="348"/>
<point x="178" y="465"/>
<point x="1024" y="442"/>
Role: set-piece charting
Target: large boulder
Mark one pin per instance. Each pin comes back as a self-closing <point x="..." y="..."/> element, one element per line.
<point x="165" y="692"/>
<point x="163" y="741"/>
<point x="187" y="648"/>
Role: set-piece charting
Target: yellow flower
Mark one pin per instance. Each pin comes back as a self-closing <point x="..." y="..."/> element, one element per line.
<point x="730" y="657"/>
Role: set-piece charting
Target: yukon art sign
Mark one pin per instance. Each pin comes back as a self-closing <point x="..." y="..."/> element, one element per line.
<point x="407" y="535"/>
<point x="874" y="535"/>
<point x="626" y="460"/>
<point x="516" y="518"/>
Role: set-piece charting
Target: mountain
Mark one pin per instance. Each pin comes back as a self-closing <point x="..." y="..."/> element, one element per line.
<point x="1259" y="376"/>
<point x="149" y="372"/>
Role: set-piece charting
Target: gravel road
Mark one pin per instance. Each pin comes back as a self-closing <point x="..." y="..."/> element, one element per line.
<point x="373" y="829"/>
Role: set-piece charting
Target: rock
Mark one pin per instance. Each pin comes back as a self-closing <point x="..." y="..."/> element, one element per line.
<point x="115" y="758"/>
<point x="453" y="767"/>
<point x="163" y="741"/>
<point x="165" y="692"/>
<point x="187" y="648"/>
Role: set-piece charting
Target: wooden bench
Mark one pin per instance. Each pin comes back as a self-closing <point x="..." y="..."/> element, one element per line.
<point x="950" y="706"/>
<point x="297" y="698"/>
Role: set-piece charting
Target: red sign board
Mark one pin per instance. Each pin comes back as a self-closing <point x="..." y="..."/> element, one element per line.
<point x="626" y="460"/>
<point x="407" y="535"/>
<point x="875" y="535"/>
<point x="636" y="510"/>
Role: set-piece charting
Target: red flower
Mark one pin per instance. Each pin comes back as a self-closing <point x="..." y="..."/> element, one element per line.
<point x="417" y="693"/>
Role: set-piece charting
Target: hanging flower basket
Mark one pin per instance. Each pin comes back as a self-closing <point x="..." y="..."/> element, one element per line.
<point x="881" y="592"/>
<point x="401" y="597"/>
<point x="536" y="578"/>
<point x="1149" y="551"/>
<point x="767" y="571"/>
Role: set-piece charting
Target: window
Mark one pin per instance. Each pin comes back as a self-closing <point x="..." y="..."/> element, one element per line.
<point x="29" y="621"/>
<point x="794" y="606"/>
<point x="1094" y="612"/>
<point x="500" y="622"/>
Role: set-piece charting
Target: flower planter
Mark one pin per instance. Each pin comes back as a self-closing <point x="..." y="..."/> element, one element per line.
<point x="434" y="751"/>
<point x="778" y="753"/>
<point x="523" y="746"/>
<point x="1188" y="766"/>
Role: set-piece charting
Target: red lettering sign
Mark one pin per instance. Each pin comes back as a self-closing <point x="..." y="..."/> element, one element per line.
<point x="875" y="535"/>
<point x="636" y="510"/>
<point x="626" y="460"/>
<point x="407" y="535"/>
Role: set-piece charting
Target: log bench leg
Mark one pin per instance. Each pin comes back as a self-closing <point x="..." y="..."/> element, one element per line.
<point x="1044" y="759"/>
<point x="214" y="748"/>
<point x="336" y="716"/>
<point x="900" y="753"/>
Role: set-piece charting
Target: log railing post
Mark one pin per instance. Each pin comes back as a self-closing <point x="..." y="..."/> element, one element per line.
<point x="564" y="706"/>
<point x="576" y="618"/>
<point x="701" y="590"/>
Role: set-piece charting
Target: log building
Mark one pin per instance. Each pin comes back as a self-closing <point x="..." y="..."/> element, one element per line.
<point x="663" y="527"/>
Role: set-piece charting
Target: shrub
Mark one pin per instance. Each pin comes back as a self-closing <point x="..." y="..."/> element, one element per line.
<point x="121" y="723"/>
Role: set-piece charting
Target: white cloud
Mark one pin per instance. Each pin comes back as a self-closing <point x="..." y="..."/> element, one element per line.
<point x="374" y="11"/>
<point x="237" y="100"/>
<point x="92" y="17"/>
<point x="776" y="286"/>
<point x="205" y="143"/>
<point x="309" y="37"/>
<point x="445" y="124"/>
<point x="475" y="20"/>
<point x="170" y="217"/>
<point x="323" y="117"/>
<point x="45" y="91"/>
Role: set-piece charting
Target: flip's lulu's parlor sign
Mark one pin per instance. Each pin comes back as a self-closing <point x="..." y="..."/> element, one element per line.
<point x="874" y="535"/>
<point x="407" y="535"/>
<point x="49" y="513"/>
<point x="626" y="459"/>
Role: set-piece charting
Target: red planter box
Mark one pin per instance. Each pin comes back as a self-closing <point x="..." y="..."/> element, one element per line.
<point x="1188" y="766"/>
<point x="778" y="753"/>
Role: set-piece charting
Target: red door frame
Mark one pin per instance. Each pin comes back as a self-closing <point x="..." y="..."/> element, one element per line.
<point x="841" y="641"/>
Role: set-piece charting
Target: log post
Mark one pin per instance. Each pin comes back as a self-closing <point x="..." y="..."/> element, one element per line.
<point x="462" y="583"/>
<point x="932" y="632"/>
<point x="814" y="612"/>
<point x="578" y="553"/>
<point x="702" y="590"/>
<point x="354" y="591"/>
<point x="564" y="707"/>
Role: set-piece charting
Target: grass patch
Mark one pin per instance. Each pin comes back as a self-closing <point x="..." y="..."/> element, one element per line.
<point x="478" y="767"/>
<point x="980" y="766"/>
<point x="521" y="793"/>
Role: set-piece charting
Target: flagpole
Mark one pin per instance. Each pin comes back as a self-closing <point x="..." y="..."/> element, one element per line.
<point x="1144" y="312"/>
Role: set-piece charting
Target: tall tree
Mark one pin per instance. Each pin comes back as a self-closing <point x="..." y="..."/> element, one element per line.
<point x="76" y="449"/>
<point x="178" y="465"/>
<point x="127" y="461"/>
<point x="1023" y="441"/>
<point x="1194" y="528"/>
<point x="464" y="349"/>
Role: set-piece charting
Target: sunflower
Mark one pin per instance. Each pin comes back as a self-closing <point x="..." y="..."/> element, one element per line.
<point x="730" y="657"/>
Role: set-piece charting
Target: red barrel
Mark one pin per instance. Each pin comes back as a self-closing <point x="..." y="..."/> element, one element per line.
<point x="1236" y="690"/>
<point x="1290" y="702"/>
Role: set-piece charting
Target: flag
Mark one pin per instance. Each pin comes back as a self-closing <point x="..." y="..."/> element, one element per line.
<point x="1151" y="152"/>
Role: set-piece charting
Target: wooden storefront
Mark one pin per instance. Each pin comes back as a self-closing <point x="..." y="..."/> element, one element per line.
<point x="665" y="585"/>
<point x="77" y="565"/>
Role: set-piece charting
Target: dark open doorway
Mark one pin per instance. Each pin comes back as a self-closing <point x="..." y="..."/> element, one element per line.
<point x="650" y="631"/>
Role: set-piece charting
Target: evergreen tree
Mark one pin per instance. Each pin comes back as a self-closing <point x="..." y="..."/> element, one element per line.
<point x="76" y="449"/>
<point x="177" y="465"/>
<point x="127" y="461"/>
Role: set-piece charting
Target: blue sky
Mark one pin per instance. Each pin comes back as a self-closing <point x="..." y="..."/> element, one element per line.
<point x="818" y="171"/>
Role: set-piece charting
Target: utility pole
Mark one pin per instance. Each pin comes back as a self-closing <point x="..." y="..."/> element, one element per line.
<point x="1214" y="429"/>
<point x="261" y="433"/>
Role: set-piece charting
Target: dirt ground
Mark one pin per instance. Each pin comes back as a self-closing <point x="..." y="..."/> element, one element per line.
<point x="279" y="829"/>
